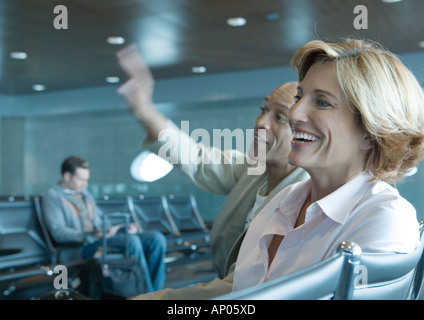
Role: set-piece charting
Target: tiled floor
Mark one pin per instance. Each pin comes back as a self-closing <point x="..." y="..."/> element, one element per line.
<point x="182" y="270"/>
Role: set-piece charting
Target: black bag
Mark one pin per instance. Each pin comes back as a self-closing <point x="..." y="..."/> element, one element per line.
<point x="115" y="275"/>
<point x="122" y="277"/>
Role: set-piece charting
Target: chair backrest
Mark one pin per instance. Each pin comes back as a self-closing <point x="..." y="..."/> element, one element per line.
<point x="45" y="231"/>
<point x="387" y="276"/>
<point x="416" y="291"/>
<point x="22" y="241"/>
<point x="323" y="281"/>
<point x="152" y="214"/>
<point x="113" y="204"/>
<point x="186" y="214"/>
<point x="391" y="276"/>
<point x="359" y="276"/>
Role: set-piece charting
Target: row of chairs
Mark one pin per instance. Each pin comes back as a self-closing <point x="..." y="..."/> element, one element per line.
<point x="348" y="275"/>
<point x="23" y="242"/>
<point x="178" y="218"/>
<point x="28" y="254"/>
<point x="27" y="257"/>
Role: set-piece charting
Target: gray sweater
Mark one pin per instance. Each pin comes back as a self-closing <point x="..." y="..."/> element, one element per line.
<point x="62" y="216"/>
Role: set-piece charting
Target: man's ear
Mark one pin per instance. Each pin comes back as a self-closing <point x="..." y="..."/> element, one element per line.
<point x="66" y="176"/>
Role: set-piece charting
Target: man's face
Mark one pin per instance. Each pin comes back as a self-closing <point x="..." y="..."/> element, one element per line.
<point x="274" y="120"/>
<point x="78" y="181"/>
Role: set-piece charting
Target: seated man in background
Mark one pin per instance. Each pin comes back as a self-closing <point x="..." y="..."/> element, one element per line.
<point x="246" y="193"/>
<point x="72" y="216"/>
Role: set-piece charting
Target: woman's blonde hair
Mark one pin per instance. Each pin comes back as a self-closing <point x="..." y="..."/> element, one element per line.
<point x="388" y="100"/>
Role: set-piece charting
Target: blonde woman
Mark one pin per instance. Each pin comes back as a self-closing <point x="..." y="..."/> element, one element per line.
<point x="357" y="126"/>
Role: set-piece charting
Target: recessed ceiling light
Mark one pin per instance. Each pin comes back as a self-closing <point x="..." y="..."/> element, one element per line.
<point x="198" y="69"/>
<point x="18" y="55"/>
<point x="236" y="22"/>
<point x="272" y="16"/>
<point x="38" y="87"/>
<point x="391" y="1"/>
<point x="115" y="40"/>
<point x="421" y="44"/>
<point x="112" y="79"/>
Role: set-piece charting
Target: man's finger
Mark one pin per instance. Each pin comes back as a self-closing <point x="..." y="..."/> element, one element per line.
<point x="133" y="64"/>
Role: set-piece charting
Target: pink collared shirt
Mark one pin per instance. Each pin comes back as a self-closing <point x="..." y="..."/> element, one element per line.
<point x="373" y="215"/>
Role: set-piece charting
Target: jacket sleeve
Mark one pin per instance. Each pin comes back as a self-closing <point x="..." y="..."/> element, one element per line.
<point x="209" y="168"/>
<point x="61" y="225"/>
<point x="199" y="291"/>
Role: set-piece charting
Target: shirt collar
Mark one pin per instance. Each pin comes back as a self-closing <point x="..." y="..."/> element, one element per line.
<point x="69" y="191"/>
<point x="292" y="201"/>
<point x="338" y="204"/>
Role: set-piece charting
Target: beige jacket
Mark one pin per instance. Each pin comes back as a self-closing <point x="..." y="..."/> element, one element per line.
<point x="227" y="231"/>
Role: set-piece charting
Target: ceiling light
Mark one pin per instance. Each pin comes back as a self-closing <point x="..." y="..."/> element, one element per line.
<point x="115" y="40"/>
<point x="236" y="22"/>
<point x="391" y="1"/>
<point x="421" y="44"/>
<point x="198" y="69"/>
<point x="38" y="87"/>
<point x="112" y="79"/>
<point x="272" y="16"/>
<point x="18" y="55"/>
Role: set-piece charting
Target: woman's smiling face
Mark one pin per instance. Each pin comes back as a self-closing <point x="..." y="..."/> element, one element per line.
<point x="326" y="137"/>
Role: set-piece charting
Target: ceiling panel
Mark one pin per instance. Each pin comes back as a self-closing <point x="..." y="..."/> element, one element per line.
<point x="175" y="35"/>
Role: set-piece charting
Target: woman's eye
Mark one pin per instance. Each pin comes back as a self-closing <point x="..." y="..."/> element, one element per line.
<point x="323" y="104"/>
<point x="263" y="110"/>
<point x="297" y="98"/>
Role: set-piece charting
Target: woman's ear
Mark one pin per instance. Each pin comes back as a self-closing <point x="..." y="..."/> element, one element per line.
<point x="368" y="142"/>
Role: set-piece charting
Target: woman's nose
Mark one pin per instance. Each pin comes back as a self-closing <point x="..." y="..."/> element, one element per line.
<point x="298" y="111"/>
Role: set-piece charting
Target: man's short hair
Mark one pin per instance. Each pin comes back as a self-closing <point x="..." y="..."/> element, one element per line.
<point x="72" y="163"/>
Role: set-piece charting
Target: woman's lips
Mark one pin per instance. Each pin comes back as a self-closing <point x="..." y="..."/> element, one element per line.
<point x="302" y="137"/>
